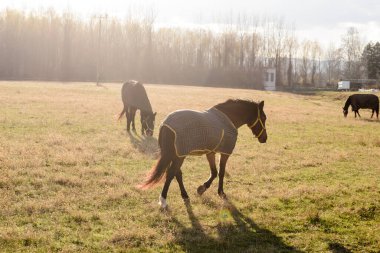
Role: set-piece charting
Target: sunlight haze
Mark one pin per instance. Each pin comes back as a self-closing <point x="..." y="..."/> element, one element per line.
<point x="324" y="21"/>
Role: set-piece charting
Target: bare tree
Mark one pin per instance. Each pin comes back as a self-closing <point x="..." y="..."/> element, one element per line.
<point x="334" y="59"/>
<point x="291" y="44"/>
<point x="352" y="49"/>
<point x="315" y="61"/>
<point x="305" y="64"/>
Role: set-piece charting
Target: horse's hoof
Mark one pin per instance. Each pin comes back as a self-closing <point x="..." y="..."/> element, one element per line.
<point x="222" y="195"/>
<point x="162" y="203"/>
<point x="201" y="189"/>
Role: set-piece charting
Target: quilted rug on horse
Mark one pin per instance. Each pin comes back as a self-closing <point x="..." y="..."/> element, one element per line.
<point x="198" y="133"/>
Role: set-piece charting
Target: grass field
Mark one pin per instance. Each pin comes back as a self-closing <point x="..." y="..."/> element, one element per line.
<point x="68" y="171"/>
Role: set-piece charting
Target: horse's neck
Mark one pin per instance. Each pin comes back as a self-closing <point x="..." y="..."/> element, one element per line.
<point x="348" y="103"/>
<point x="234" y="113"/>
<point x="146" y="112"/>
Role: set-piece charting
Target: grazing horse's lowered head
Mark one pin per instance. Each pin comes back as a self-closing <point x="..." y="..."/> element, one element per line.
<point x="345" y="112"/>
<point x="147" y="122"/>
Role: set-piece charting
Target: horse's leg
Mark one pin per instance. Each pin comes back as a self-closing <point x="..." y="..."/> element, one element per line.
<point x="142" y="123"/>
<point x="178" y="176"/>
<point x="133" y="114"/>
<point x="211" y="161"/>
<point x="373" y="111"/>
<point x="170" y="174"/>
<point x="127" y="115"/>
<point x="358" y="113"/>
<point x="222" y="170"/>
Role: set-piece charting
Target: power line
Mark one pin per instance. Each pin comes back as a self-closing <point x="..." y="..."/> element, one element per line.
<point x="100" y="17"/>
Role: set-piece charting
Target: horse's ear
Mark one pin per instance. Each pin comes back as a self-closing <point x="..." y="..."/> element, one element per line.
<point x="261" y="104"/>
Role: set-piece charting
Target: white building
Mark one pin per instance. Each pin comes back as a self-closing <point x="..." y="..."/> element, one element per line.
<point x="270" y="79"/>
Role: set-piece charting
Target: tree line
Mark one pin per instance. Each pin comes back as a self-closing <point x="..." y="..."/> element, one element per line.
<point x="371" y="60"/>
<point x="48" y="46"/>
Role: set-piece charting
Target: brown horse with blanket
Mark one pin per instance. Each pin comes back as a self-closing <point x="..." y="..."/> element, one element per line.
<point x="135" y="98"/>
<point x="187" y="132"/>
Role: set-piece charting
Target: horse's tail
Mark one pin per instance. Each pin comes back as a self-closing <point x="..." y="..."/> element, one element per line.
<point x="166" y="143"/>
<point x="156" y="173"/>
<point x="124" y="98"/>
<point x="122" y="113"/>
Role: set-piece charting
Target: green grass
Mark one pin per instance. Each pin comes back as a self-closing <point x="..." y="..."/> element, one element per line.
<point x="68" y="171"/>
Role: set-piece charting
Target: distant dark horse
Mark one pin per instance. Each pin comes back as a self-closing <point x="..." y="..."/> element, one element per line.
<point x="135" y="98"/>
<point x="213" y="131"/>
<point x="362" y="101"/>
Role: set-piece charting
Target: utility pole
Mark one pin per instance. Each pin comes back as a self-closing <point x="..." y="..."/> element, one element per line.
<point x="100" y="17"/>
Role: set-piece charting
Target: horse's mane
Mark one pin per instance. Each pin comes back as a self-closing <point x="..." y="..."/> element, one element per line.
<point x="236" y="101"/>
<point x="348" y="103"/>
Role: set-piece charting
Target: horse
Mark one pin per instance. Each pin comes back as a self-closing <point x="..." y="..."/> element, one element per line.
<point x="207" y="133"/>
<point x="365" y="101"/>
<point x="135" y="98"/>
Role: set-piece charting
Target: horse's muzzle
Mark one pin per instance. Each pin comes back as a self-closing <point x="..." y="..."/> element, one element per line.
<point x="263" y="138"/>
<point x="149" y="133"/>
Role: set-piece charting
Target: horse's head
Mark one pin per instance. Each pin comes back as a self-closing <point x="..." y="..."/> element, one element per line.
<point x="257" y="123"/>
<point x="345" y="112"/>
<point x="147" y="122"/>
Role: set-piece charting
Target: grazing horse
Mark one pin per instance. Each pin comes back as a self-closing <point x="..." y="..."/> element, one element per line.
<point x="187" y="132"/>
<point x="365" y="101"/>
<point x="135" y="98"/>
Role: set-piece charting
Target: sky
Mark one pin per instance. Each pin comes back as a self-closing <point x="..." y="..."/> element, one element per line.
<point x="323" y="20"/>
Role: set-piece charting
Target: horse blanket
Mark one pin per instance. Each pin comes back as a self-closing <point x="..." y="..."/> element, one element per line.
<point x="133" y="94"/>
<point x="198" y="133"/>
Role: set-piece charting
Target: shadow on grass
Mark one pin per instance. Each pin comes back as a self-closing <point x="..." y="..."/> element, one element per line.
<point x="372" y="120"/>
<point x="338" y="248"/>
<point x="235" y="233"/>
<point x="144" y="144"/>
<point x="303" y="93"/>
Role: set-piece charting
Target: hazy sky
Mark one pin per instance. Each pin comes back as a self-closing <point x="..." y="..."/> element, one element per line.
<point x="323" y="20"/>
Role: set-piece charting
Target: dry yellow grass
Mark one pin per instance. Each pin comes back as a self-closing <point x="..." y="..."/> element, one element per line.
<point x="69" y="170"/>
